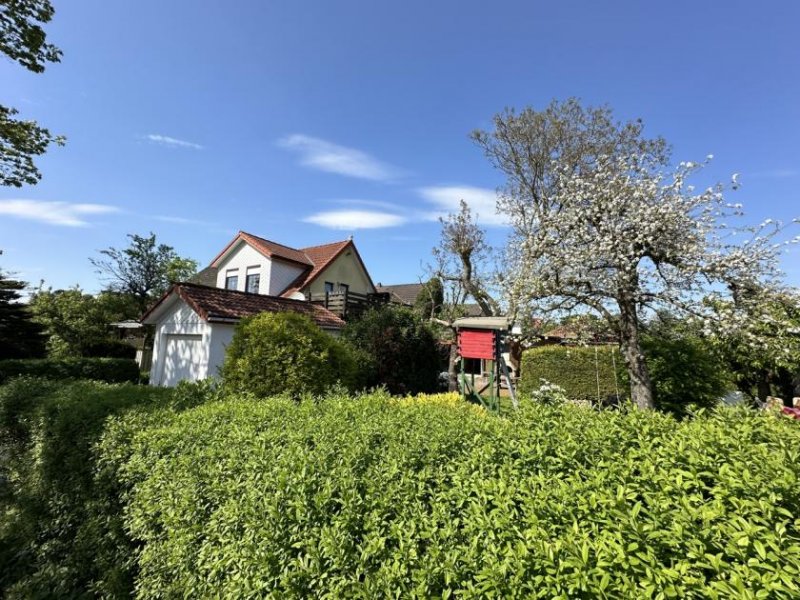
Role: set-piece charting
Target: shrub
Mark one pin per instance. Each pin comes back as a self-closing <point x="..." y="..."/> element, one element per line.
<point x="579" y="370"/>
<point x="379" y="497"/>
<point x="399" y="350"/>
<point x="275" y="353"/>
<point x="110" y="370"/>
<point x="685" y="371"/>
<point x="60" y="525"/>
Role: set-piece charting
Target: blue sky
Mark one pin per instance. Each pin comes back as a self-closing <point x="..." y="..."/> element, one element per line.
<point x="304" y="122"/>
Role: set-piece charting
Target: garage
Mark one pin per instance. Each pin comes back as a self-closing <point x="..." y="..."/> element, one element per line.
<point x="183" y="359"/>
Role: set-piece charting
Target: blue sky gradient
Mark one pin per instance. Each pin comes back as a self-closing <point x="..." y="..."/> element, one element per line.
<point x="304" y="122"/>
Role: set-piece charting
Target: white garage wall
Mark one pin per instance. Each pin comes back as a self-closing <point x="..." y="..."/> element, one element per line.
<point x="221" y="336"/>
<point x="182" y="320"/>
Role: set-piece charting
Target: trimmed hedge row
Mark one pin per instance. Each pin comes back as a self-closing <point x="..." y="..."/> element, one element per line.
<point x="61" y="532"/>
<point x="377" y="497"/>
<point x="579" y="370"/>
<point x="110" y="370"/>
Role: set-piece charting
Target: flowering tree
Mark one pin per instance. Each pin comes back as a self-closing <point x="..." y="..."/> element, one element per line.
<point x="620" y="237"/>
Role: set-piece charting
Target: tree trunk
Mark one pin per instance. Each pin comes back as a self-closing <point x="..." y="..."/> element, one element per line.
<point x="452" y="372"/>
<point x="631" y="349"/>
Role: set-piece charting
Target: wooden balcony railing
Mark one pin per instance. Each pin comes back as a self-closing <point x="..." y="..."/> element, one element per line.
<point x="347" y="304"/>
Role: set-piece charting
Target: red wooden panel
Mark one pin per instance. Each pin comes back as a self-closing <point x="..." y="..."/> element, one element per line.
<point x="476" y="343"/>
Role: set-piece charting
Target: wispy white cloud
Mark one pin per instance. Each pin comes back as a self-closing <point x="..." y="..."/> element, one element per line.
<point x="171" y="142"/>
<point x="370" y="203"/>
<point x="54" y="213"/>
<point x="326" y="156"/>
<point x="355" y="219"/>
<point x="446" y="199"/>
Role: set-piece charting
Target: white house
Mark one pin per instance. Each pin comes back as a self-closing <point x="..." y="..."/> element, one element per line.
<point x="194" y="322"/>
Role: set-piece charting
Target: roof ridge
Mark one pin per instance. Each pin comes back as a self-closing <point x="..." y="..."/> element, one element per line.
<point x="323" y="245"/>
<point x="263" y="239"/>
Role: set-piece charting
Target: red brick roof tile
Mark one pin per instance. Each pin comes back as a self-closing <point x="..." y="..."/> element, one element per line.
<point x="220" y="305"/>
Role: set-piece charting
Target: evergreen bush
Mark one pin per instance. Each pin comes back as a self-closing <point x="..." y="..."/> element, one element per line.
<point x="274" y="353"/>
<point x="109" y="370"/>
<point x="584" y="372"/>
<point x="378" y="497"/>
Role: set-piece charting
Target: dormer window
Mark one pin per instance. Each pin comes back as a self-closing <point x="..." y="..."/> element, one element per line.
<point x="232" y="282"/>
<point x="252" y="282"/>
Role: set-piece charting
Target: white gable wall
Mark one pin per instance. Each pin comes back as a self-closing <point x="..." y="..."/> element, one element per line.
<point x="179" y="320"/>
<point x="242" y="261"/>
<point x="221" y="336"/>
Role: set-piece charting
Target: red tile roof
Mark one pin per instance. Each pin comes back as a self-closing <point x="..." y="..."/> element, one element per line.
<point x="314" y="258"/>
<point x="267" y="248"/>
<point x="219" y="305"/>
<point x="320" y="257"/>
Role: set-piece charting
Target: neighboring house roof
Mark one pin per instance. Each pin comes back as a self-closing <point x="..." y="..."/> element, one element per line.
<point x="207" y="276"/>
<point x="403" y="293"/>
<point x="225" y="306"/>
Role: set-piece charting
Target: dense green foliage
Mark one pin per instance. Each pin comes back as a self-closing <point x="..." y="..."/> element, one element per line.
<point x="398" y="349"/>
<point x="685" y="370"/>
<point x="376" y="497"/>
<point x="579" y="370"/>
<point x="143" y="270"/>
<point x="22" y="39"/>
<point x="60" y="524"/>
<point x="110" y="370"/>
<point x="274" y="353"/>
<point x="77" y="323"/>
<point x="20" y="337"/>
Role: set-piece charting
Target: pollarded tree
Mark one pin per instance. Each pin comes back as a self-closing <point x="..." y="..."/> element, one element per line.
<point x="620" y="237"/>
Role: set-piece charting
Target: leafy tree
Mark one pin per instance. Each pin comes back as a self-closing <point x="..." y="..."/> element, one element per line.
<point x="20" y="336"/>
<point x="145" y="269"/>
<point x="23" y="40"/>
<point x="597" y="224"/>
<point x="275" y="353"/>
<point x="685" y="368"/>
<point x="77" y="323"/>
<point x="763" y="346"/>
<point x="430" y="300"/>
<point x="398" y="347"/>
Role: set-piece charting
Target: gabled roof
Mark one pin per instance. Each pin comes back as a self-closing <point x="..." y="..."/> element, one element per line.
<point x="314" y="258"/>
<point x="268" y="248"/>
<point x="404" y="293"/>
<point x="217" y="305"/>
<point x="321" y="257"/>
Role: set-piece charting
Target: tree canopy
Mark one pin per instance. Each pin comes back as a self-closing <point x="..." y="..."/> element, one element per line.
<point x="145" y="269"/>
<point x="20" y="336"/>
<point x="599" y="222"/>
<point x="23" y="40"/>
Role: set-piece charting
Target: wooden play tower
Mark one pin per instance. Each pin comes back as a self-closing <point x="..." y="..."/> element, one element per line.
<point x="483" y="338"/>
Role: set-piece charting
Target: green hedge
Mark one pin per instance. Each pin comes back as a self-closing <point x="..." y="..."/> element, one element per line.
<point x="574" y="368"/>
<point x="110" y="370"/>
<point x="61" y="532"/>
<point x="375" y="497"/>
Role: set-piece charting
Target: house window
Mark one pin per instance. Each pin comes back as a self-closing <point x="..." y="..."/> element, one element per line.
<point x="251" y="283"/>
<point x="328" y="287"/>
<point x="232" y="282"/>
<point x="343" y="287"/>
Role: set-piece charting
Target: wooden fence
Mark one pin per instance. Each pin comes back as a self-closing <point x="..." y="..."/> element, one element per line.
<point x="347" y="304"/>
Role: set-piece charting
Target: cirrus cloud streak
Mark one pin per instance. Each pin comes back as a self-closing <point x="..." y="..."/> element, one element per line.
<point x="63" y="214"/>
<point x="355" y="219"/>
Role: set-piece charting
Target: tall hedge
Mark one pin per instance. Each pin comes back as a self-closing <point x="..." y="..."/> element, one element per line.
<point x="60" y="522"/>
<point x="274" y="353"/>
<point x="375" y="497"/>
<point x="577" y="369"/>
<point x="109" y="370"/>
